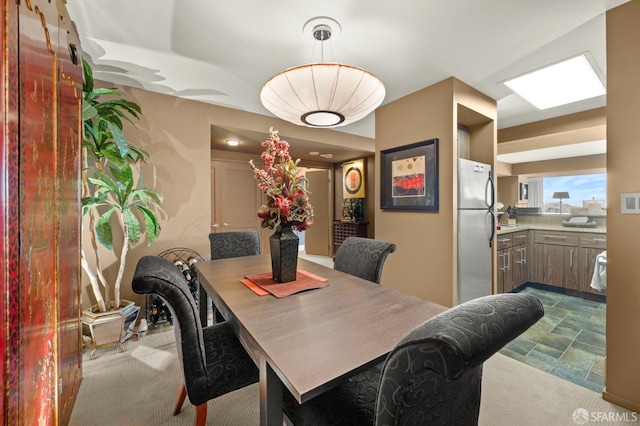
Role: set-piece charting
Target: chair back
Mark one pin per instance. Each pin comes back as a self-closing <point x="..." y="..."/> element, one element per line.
<point x="363" y="257"/>
<point x="433" y="376"/>
<point x="234" y="244"/>
<point x="158" y="275"/>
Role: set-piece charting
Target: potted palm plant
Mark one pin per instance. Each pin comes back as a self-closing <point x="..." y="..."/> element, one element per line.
<point x="113" y="198"/>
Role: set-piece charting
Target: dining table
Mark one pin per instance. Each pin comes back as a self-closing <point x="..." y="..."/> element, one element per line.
<point x="307" y="342"/>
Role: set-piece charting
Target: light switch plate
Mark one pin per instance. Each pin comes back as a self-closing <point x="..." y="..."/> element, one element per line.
<point x="630" y="203"/>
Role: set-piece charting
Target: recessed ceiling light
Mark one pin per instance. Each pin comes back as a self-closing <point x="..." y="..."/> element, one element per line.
<point x="326" y="155"/>
<point x="314" y="153"/>
<point x="233" y="142"/>
<point x="559" y="84"/>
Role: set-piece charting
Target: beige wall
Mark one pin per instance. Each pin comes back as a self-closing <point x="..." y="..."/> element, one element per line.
<point x="507" y="191"/>
<point x="585" y="126"/>
<point x="562" y="166"/>
<point x="176" y="135"/>
<point x="623" y="175"/>
<point x="424" y="263"/>
<point x="570" y="129"/>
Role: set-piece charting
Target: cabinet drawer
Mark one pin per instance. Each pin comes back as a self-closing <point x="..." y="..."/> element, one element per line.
<point x="519" y="238"/>
<point x="556" y="238"/>
<point x="593" y="241"/>
<point x="504" y="241"/>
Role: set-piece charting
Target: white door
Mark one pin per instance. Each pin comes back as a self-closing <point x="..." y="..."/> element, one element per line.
<point x="236" y="199"/>
<point x="317" y="237"/>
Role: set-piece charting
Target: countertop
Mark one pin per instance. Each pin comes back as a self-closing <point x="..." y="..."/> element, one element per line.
<point x="507" y="229"/>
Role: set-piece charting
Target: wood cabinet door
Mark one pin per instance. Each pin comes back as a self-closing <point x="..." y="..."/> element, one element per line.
<point x="549" y="261"/>
<point x="591" y="245"/>
<point x="505" y="270"/>
<point x="587" y="263"/>
<point x="519" y="265"/>
<point x="500" y="273"/>
<point x="556" y="265"/>
<point x="572" y="271"/>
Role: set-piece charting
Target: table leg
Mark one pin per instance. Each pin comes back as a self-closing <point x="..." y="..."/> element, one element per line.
<point x="270" y="396"/>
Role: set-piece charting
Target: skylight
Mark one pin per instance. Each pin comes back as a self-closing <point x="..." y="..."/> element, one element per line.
<point x="559" y="84"/>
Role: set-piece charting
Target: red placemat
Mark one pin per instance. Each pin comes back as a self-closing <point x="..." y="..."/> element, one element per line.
<point x="304" y="281"/>
<point x="255" y="288"/>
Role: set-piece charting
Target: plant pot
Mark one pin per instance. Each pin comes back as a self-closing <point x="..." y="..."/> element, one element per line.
<point x="284" y="254"/>
<point x="103" y="329"/>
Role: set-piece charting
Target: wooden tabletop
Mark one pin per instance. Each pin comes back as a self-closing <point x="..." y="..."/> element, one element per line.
<point x="313" y="339"/>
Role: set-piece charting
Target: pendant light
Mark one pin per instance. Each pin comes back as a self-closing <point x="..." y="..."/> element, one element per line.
<point x="324" y="94"/>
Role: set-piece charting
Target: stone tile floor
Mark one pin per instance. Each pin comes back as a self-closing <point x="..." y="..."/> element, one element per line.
<point x="568" y="341"/>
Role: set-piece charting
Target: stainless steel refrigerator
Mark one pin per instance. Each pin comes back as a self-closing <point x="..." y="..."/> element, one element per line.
<point x="476" y="229"/>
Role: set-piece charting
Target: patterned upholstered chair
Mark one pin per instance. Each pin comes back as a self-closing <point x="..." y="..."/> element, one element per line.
<point x="213" y="360"/>
<point x="234" y="244"/>
<point x="363" y="257"/>
<point x="433" y="376"/>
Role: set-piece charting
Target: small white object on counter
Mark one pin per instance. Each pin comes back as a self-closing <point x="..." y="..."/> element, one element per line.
<point x="579" y="219"/>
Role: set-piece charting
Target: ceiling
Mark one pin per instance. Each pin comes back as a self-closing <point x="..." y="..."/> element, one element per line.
<point x="223" y="52"/>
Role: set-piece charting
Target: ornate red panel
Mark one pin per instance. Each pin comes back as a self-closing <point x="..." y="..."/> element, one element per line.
<point x="68" y="218"/>
<point x="39" y="215"/>
<point x="3" y="213"/>
<point x="38" y="317"/>
<point x="9" y="210"/>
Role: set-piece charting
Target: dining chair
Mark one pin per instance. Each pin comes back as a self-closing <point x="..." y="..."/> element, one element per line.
<point x="363" y="257"/>
<point x="225" y="245"/>
<point x="432" y="376"/>
<point x="213" y="359"/>
<point x="234" y="244"/>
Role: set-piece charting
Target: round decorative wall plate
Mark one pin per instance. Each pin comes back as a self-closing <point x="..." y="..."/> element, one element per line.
<point x="353" y="180"/>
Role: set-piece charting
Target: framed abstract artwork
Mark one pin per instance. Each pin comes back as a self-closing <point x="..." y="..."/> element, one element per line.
<point x="409" y="177"/>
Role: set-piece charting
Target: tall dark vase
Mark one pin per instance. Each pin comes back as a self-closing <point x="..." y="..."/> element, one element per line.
<point x="284" y="254"/>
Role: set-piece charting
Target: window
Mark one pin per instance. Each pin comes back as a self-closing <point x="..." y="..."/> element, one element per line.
<point x="587" y="194"/>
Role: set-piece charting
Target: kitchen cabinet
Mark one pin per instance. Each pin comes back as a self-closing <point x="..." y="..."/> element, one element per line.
<point x="555" y="259"/>
<point x="504" y="272"/>
<point x="519" y="261"/>
<point x="591" y="245"/>
<point x="564" y="259"/>
<point x="513" y="262"/>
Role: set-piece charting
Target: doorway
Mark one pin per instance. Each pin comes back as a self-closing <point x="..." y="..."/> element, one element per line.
<point x="316" y="239"/>
<point x="236" y="199"/>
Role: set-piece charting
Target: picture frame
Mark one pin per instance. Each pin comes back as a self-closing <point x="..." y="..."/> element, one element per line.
<point x="353" y="179"/>
<point x="409" y="177"/>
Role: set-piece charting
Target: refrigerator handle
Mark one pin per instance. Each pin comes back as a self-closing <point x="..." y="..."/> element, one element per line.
<point x="493" y="227"/>
<point x="491" y="201"/>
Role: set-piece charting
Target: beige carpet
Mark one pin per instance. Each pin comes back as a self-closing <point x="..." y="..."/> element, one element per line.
<point x="139" y="386"/>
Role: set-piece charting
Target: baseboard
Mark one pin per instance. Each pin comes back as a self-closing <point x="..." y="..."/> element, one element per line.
<point x="621" y="402"/>
<point x="569" y="292"/>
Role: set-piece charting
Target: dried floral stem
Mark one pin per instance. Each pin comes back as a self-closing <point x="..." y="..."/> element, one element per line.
<point x="286" y="191"/>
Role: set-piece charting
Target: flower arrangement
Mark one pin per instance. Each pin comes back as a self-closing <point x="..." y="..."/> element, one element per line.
<point x="287" y="200"/>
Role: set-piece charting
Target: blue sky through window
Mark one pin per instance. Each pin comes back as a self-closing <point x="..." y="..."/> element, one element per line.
<point x="579" y="187"/>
